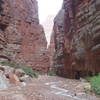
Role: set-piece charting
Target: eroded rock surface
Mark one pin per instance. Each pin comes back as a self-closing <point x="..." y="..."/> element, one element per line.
<point x="22" y="38"/>
<point x="77" y="38"/>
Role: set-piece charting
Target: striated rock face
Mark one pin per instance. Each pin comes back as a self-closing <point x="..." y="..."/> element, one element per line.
<point x="77" y="38"/>
<point x="22" y="39"/>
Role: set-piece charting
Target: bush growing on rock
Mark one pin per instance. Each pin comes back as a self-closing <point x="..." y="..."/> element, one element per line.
<point x="29" y="71"/>
<point x="10" y="64"/>
<point x="95" y="83"/>
<point x="52" y="73"/>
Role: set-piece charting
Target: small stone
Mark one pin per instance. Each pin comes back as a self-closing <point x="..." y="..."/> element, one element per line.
<point x="19" y="72"/>
<point x="13" y="78"/>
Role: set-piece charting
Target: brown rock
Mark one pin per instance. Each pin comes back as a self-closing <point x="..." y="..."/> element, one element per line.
<point x="19" y="72"/>
<point x="26" y="79"/>
<point x="2" y="68"/>
<point x="8" y="69"/>
<point x="13" y="78"/>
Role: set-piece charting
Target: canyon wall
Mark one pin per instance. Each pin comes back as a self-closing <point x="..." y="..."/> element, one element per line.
<point x="77" y="38"/>
<point x="22" y="38"/>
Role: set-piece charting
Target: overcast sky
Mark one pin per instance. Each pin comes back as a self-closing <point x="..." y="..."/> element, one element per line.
<point x="48" y="7"/>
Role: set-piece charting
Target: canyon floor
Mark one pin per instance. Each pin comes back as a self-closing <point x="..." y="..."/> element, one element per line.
<point x="48" y="88"/>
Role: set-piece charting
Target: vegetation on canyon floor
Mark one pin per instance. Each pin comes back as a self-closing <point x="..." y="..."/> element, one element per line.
<point x="95" y="84"/>
<point x="28" y="70"/>
<point x="52" y="73"/>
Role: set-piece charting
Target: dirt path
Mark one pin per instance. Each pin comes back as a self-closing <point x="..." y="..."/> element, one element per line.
<point x="48" y="88"/>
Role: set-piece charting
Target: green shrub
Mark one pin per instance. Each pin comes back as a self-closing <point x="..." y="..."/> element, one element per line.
<point x="88" y="79"/>
<point x="95" y="83"/>
<point x="29" y="71"/>
<point x="52" y="73"/>
<point x="26" y="69"/>
<point x="87" y="90"/>
<point x="10" y="64"/>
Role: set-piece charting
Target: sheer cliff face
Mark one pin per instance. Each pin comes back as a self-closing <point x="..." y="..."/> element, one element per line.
<point x="77" y="38"/>
<point x="22" y="39"/>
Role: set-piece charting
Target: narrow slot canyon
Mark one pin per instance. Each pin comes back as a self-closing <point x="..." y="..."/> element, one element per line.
<point x="50" y="50"/>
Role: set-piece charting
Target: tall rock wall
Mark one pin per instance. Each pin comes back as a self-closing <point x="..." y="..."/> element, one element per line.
<point x="22" y="38"/>
<point x="77" y="38"/>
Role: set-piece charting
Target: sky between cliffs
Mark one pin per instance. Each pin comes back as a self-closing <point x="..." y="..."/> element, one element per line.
<point x="48" y="8"/>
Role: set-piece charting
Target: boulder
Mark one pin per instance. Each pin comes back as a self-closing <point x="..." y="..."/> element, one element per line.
<point x="2" y="68"/>
<point x="19" y="72"/>
<point x="13" y="79"/>
<point x="25" y="79"/>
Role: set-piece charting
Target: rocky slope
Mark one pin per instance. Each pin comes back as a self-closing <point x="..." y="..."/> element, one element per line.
<point x="22" y="38"/>
<point x="77" y="38"/>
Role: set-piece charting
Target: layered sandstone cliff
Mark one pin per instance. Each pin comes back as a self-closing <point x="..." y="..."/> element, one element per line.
<point x="22" y="38"/>
<point x="77" y="38"/>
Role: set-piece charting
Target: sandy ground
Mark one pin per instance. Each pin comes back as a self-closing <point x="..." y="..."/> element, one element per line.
<point x="48" y="88"/>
